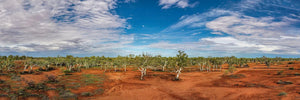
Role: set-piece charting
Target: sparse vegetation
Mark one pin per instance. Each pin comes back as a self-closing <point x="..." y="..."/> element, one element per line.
<point x="69" y="73"/>
<point x="282" y="94"/>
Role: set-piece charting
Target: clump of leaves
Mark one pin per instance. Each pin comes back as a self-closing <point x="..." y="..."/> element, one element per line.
<point x="282" y="94"/>
<point x="284" y="82"/>
<point x="67" y="94"/>
<point x="31" y="85"/>
<point x="86" y="94"/>
<point x="67" y="72"/>
<point x="280" y="72"/>
<point x="52" y="78"/>
<point x="1" y="81"/>
<point x="15" y="77"/>
<point x="291" y="62"/>
<point x="226" y="72"/>
<point x="237" y="76"/>
<point x="90" y="79"/>
<point x="231" y="69"/>
<point x="291" y="68"/>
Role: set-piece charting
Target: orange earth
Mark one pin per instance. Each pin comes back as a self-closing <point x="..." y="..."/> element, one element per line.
<point x="256" y="82"/>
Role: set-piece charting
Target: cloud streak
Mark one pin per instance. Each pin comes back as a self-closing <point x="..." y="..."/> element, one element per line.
<point x="59" y="25"/>
<point x="240" y="32"/>
<point x="166" y="4"/>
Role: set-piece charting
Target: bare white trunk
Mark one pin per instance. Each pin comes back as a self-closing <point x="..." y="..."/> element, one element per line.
<point x="165" y="65"/>
<point x="143" y="72"/>
<point x="105" y="68"/>
<point x="30" y="68"/>
<point x="125" y="68"/>
<point x="25" y="67"/>
<point x="178" y="73"/>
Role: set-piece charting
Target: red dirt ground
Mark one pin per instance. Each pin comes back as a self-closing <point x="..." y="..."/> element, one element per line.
<point x="258" y="83"/>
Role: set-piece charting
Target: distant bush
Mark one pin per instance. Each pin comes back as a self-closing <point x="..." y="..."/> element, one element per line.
<point x="226" y="72"/>
<point x="237" y="76"/>
<point x="291" y="68"/>
<point x="284" y="82"/>
<point x="280" y="72"/>
<point x="1" y="81"/>
<point x="86" y="94"/>
<point x="291" y="62"/>
<point x="51" y="78"/>
<point x="282" y="94"/>
<point x="31" y="85"/>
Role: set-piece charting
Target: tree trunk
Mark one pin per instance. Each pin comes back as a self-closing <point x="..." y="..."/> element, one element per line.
<point x="115" y="68"/>
<point x="105" y="68"/>
<point x="165" y="65"/>
<point x="178" y="73"/>
<point x="125" y="68"/>
<point x="25" y="67"/>
<point x="30" y="68"/>
<point x="143" y="72"/>
<point x="142" y="75"/>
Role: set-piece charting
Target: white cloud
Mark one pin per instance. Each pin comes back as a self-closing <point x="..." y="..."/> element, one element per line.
<point x="178" y="3"/>
<point x="196" y="33"/>
<point x="47" y="25"/>
<point x="230" y="42"/>
<point x="197" y="20"/>
<point x="244" y="34"/>
<point x="218" y="33"/>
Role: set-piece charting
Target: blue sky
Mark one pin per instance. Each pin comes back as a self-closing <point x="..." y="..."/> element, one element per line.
<point x="242" y="28"/>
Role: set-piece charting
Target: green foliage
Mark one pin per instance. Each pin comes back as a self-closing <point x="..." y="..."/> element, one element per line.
<point x="291" y="68"/>
<point x="282" y="94"/>
<point x="280" y="72"/>
<point x="231" y="69"/>
<point x="237" y="76"/>
<point x="182" y="58"/>
<point x="86" y="94"/>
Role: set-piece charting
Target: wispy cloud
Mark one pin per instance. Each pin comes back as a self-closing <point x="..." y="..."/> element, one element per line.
<point x="246" y="34"/>
<point x="177" y="3"/>
<point x="38" y="25"/>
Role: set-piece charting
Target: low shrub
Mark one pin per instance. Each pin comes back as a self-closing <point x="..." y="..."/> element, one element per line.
<point x="86" y="94"/>
<point x="237" y="76"/>
<point x="67" y="94"/>
<point x="31" y="85"/>
<point x="1" y="81"/>
<point x="52" y="78"/>
<point x="280" y="72"/>
<point x="291" y="62"/>
<point x="284" y="82"/>
<point x="282" y="94"/>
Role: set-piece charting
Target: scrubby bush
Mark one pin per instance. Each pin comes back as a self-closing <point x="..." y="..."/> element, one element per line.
<point x="86" y="94"/>
<point x="291" y="62"/>
<point x="1" y="81"/>
<point x="282" y="94"/>
<point x="237" y="76"/>
<point x="52" y="78"/>
<point x="291" y="68"/>
<point x="280" y="72"/>
<point x="284" y="82"/>
<point x="31" y="85"/>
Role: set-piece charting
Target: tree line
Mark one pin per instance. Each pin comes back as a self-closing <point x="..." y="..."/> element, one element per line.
<point x="141" y="62"/>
